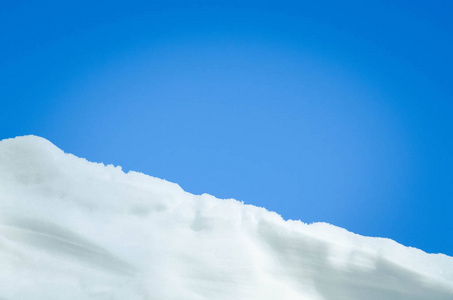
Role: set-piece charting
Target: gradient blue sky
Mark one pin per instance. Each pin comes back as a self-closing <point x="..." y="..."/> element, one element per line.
<point x="319" y="110"/>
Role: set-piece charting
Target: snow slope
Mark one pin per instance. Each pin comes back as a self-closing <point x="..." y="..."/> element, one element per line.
<point x="72" y="229"/>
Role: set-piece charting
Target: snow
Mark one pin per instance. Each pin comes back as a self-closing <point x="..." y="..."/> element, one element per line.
<point x="73" y="229"/>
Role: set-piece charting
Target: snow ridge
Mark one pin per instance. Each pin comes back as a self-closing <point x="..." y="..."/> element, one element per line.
<point x="72" y="229"/>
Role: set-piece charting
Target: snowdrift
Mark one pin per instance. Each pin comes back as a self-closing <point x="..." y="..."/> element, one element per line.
<point x="72" y="229"/>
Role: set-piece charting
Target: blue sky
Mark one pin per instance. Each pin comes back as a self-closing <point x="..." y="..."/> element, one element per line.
<point x="329" y="111"/>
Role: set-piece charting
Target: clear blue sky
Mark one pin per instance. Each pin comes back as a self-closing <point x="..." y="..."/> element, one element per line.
<point x="319" y="110"/>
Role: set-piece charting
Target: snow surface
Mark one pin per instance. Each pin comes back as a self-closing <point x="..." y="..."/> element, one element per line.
<point x="72" y="229"/>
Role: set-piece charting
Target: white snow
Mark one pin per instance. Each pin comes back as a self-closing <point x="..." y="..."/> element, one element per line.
<point x="72" y="229"/>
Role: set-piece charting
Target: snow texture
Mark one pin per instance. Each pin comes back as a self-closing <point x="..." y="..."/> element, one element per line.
<point x="72" y="229"/>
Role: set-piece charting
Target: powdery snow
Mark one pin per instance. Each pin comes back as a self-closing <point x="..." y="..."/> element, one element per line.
<point x="72" y="229"/>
